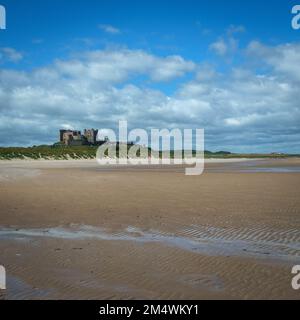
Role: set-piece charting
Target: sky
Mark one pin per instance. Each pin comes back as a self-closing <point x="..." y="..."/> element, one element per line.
<point x="230" y="67"/>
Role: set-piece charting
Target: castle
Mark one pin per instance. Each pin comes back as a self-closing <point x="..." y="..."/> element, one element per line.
<point x="75" y="138"/>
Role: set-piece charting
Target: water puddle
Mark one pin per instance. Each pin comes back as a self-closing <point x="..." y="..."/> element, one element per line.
<point x="18" y="289"/>
<point x="283" y="245"/>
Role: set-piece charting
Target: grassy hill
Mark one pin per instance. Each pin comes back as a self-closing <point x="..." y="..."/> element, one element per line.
<point x="62" y="152"/>
<point x="48" y="152"/>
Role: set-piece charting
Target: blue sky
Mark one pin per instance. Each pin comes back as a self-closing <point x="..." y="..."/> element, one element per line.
<point x="231" y="67"/>
<point x="162" y="27"/>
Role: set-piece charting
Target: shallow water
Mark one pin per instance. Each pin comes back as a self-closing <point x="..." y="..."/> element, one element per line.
<point x="281" y="245"/>
<point x="17" y="289"/>
<point x="272" y="169"/>
<point x="254" y="166"/>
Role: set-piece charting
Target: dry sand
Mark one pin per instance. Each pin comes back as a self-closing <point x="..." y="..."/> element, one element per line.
<point x="72" y="229"/>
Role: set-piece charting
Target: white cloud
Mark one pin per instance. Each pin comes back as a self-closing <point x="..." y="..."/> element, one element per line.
<point x="284" y="59"/>
<point x="10" y="55"/>
<point x="238" y="110"/>
<point x="228" y="43"/>
<point x="223" y="47"/>
<point x="220" y="47"/>
<point x="232" y="29"/>
<point x="117" y="65"/>
<point x="109" y="29"/>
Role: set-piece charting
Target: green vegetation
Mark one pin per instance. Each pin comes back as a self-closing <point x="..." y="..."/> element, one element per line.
<point x="56" y="152"/>
<point x="59" y="151"/>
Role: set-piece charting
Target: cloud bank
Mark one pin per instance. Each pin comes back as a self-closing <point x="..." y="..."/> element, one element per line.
<point x="241" y="110"/>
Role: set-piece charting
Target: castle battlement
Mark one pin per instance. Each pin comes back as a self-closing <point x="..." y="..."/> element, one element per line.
<point x="75" y="138"/>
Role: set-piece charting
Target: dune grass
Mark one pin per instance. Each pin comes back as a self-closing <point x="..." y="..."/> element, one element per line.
<point x="62" y="152"/>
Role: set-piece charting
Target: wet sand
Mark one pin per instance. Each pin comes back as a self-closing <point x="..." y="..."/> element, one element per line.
<point x="72" y="229"/>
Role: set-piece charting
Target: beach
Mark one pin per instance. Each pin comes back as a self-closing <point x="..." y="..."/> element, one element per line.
<point x="76" y="230"/>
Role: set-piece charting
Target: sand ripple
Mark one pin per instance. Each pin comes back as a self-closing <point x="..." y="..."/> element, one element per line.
<point x="256" y="242"/>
